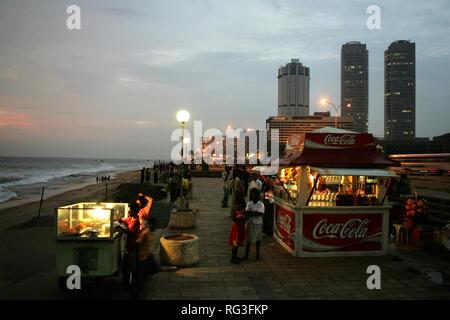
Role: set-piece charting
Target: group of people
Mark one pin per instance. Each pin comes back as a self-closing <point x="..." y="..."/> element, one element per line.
<point x="247" y="216"/>
<point x="179" y="186"/>
<point x="146" y="175"/>
<point x="138" y="260"/>
<point x="103" y="178"/>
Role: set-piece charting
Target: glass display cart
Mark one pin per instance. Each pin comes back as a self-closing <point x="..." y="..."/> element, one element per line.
<point x="86" y="237"/>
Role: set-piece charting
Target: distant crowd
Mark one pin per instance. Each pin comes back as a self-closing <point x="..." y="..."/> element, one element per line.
<point x="103" y="178"/>
<point x="179" y="182"/>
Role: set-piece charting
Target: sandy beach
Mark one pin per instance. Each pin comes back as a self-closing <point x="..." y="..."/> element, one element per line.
<point x="28" y="251"/>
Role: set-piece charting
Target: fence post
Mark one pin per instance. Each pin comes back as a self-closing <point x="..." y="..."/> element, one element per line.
<point x="40" y="203"/>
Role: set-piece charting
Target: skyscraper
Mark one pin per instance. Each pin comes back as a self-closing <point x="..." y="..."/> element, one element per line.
<point x="400" y="90"/>
<point x="355" y="84"/>
<point x="293" y="89"/>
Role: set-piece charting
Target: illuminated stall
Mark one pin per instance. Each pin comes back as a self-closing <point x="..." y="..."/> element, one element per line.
<point x="330" y="195"/>
<point x="86" y="237"/>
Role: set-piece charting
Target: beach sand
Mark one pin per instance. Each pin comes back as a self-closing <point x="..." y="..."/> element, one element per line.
<point x="27" y="268"/>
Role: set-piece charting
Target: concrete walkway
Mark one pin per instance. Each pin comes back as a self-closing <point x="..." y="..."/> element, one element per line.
<point x="279" y="275"/>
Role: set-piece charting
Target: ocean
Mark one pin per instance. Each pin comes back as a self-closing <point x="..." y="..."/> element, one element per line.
<point x="23" y="176"/>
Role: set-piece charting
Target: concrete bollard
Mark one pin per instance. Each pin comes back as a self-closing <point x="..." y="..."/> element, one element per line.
<point x="179" y="250"/>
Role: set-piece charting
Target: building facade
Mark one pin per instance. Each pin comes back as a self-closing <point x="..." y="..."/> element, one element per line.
<point x="400" y="90"/>
<point x="288" y="126"/>
<point x="293" y="89"/>
<point x="355" y="84"/>
<point x="439" y="144"/>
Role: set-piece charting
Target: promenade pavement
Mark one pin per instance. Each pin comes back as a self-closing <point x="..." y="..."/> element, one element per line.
<point x="279" y="275"/>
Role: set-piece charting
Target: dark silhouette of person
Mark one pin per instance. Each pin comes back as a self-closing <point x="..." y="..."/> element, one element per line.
<point x="142" y="175"/>
<point x="245" y="177"/>
<point x="147" y="175"/>
<point x="155" y="176"/>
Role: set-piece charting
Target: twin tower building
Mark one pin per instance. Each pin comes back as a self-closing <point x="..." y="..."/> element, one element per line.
<point x="399" y="89"/>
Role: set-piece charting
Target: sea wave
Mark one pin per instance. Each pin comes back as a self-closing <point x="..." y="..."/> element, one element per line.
<point x="6" y="195"/>
<point x="42" y="176"/>
<point x="9" y="179"/>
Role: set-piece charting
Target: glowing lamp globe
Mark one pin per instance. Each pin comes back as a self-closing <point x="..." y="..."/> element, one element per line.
<point x="182" y="116"/>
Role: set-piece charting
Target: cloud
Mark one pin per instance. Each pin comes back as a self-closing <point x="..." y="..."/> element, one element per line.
<point x="149" y="124"/>
<point x="10" y="74"/>
<point x="127" y="13"/>
<point x="165" y="58"/>
<point x="11" y="119"/>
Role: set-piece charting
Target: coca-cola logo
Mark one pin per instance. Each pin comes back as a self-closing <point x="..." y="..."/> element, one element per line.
<point x="294" y="140"/>
<point x="345" y="139"/>
<point x="284" y="222"/>
<point x="351" y="229"/>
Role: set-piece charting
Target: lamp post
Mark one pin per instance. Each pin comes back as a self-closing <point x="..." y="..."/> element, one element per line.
<point x="182" y="117"/>
<point x="325" y="101"/>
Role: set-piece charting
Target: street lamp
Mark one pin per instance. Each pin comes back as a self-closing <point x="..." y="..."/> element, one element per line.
<point x="325" y="101"/>
<point x="182" y="117"/>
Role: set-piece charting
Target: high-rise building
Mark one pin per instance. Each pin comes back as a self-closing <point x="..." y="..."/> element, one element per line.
<point x="355" y="84"/>
<point x="400" y="90"/>
<point x="293" y="89"/>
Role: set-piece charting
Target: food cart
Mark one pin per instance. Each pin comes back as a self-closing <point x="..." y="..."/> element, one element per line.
<point x="330" y="195"/>
<point x="86" y="237"/>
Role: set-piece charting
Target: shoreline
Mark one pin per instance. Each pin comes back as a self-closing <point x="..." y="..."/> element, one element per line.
<point x="17" y="213"/>
<point x="51" y="193"/>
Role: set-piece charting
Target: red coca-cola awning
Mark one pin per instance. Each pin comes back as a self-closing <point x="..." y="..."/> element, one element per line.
<point x="336" y="150"/>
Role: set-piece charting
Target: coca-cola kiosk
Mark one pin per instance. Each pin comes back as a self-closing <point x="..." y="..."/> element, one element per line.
<point x="330" y="195"/>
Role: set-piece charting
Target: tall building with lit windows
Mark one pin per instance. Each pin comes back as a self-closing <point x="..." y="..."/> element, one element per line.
<point x="355" y="84"/>
<point x="400" y="90"/>
<point x="293" y="89"/>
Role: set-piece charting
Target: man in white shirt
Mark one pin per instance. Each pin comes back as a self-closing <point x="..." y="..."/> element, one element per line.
<point x="255" y="209"/>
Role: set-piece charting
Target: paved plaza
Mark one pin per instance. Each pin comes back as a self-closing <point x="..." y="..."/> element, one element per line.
<point x="279" y="275"/>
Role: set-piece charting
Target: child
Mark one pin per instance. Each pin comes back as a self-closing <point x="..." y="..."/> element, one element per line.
<point x="255" y="209"/>
<point x="237" y="234"/>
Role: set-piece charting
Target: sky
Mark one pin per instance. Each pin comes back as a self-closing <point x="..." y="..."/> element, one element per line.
<point x="112" y="89"/>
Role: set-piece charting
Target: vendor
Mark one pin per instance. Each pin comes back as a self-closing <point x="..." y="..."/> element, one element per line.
<point x="145" y="205"/>
<point x="129" y="258"/>
<point x="132" y="222"/>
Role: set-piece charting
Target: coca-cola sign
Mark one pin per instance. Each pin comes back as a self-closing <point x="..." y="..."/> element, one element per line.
<point x="342" y="232"/>
<point x="285" y="226"/>
<point x="340" y="140"/>
<point x="352" y="228"/>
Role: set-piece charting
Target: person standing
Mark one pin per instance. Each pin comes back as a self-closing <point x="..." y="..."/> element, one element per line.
<point x="237" y="234"/>
<point x="142" y="175"/>
<point x="227" y="179"/>
<point x="132" y="231"/>
<point x="155" y="176"/>
<point x="147" y="175"/>
<point x="245" y="179"/>
<point x="145" y="206"/>
<point x="238" y="198"/>
<point x="254" y="209"/>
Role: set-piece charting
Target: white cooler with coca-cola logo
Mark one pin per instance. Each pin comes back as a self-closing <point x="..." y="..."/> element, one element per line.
<point x="331" y="231"/>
